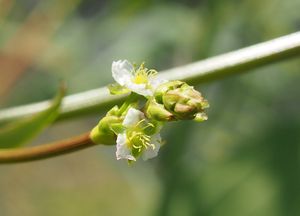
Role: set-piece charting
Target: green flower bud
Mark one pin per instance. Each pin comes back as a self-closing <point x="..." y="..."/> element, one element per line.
<point x="200" y="117"/>
<point x="156" y="111"/>
<point x="104" y="133"/>
<point x="182" y="100"/>
<point x="162" y="89"/>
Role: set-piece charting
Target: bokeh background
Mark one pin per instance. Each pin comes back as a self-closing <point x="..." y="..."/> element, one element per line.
<point x="244" y="161"/>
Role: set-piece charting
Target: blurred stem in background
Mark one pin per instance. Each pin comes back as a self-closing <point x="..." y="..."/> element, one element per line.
<point x="211" y="69"/>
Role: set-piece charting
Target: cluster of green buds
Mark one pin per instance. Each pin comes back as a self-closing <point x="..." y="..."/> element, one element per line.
<point x="135" y="126"/>
<point x="176" y="100"/>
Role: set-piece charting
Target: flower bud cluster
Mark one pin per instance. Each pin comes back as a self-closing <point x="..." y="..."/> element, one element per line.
<point x="176" y="100"/>
<point x="135" y="127"/>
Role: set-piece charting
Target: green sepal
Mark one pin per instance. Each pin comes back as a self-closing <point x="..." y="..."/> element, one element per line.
<point x="200" y="117"/>
<point x="117" y="89"/>
<point x="113" y="111"/>
<point x="103" y="133"/>
<point x="162" y="89"/>
<point x="204" y="104"/>
<point x="117" y="128"/>
<point x="157" y="112"/>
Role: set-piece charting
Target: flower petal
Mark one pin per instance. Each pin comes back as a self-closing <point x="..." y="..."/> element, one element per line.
<point x="122" y="71"/>
<point x="132" y="117"/>
<point x="140" y="89"/>
<point x="123" y="152"/>
<point x="151" y="152"/>
<point x="156" y="81"/>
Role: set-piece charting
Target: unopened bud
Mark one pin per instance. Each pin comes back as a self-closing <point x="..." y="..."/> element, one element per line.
<point x="162" y="89"/>
<point x="103" y="132"/>
<point x="182" y="100"/>
<point x="158" y="112"/>
<point x="200" y="117"/>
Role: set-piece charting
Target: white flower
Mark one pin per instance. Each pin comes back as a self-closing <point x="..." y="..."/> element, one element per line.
<point x="141" y="81"/>
<point x="134" y="142"/>
<point x="123" y="150"/>
<point x="152" y="151"/>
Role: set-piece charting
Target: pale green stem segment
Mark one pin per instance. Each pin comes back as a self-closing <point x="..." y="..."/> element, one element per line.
<point x="236" y="62"/>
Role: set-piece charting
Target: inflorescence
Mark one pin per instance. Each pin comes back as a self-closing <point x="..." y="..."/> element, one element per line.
<point x="135" y="126"/>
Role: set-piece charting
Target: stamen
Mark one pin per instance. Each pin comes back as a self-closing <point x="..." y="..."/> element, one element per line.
<point x="142" y="74"/>
<point x="153" y="146"/>
<point x="136" y="147"/>
<point x="140" y="122"/>
<point x="148" y="125"/>
<point x="147" y="138"/>
<point x="152" y="72"/>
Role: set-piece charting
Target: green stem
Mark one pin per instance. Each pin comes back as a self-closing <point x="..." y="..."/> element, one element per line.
<point x="131" y="99"/>
<point x="236" y="62"/>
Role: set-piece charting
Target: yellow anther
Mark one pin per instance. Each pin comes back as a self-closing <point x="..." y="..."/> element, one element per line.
<point x="148" y="125"/>
<point x="140" y="79"/>
<point x="142" y="74"/>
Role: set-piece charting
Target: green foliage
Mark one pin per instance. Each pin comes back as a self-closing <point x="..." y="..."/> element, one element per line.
<point x="19" y="132"/>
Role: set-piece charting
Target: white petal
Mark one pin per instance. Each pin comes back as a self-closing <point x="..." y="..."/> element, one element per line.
<point x="156" y="81"/>
<point x="140" y="89"/>
<point x="152" y="152"/>
<point x="123" y="152"/>
<point x="122" y="71"/>
<point x="133" y="116"/>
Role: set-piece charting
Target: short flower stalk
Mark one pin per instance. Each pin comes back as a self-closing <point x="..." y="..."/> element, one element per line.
<point x="135" y="126"/>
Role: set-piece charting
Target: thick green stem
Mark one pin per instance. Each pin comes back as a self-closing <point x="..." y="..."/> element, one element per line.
<point x="236" y="62"/>
<point x="239" y="61"/>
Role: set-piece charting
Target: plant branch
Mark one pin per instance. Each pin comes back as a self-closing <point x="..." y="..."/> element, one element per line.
<point x="92" y="101"/>
<point x="235" y="62"/>
<point x="45" y="150"/>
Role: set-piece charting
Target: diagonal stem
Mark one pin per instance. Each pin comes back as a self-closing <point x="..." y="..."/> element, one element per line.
<point x="235" y="62"/>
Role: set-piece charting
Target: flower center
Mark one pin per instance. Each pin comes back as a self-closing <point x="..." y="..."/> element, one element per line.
<point x="140" y="78"/>
<point x="139" y="141"/>
<point x="142" y="75"/>
<point x="137" y="138"/>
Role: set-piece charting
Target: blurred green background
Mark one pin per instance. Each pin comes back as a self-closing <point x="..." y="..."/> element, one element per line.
<point x="245" y="160"/>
